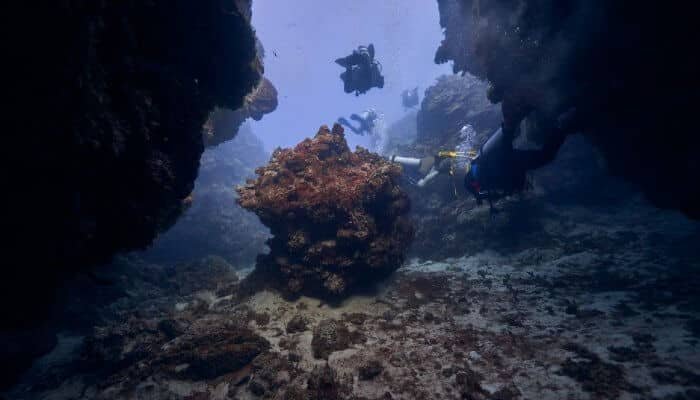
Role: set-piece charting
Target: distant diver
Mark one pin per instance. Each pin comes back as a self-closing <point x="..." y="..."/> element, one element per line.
<point x="362" y="71"/>
<point x="409" y="98"/>
<point x="366" y="122"/>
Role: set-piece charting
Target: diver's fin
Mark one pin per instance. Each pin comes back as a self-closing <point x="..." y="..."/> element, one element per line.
<point x="346" y="123"/>
<point x="342" y="61"/>
<point x="370" y="49"/>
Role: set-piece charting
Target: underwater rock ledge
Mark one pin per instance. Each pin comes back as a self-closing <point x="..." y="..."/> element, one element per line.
<point x="110" y="113"/>
<point x="338" y="218"/>
<point x="106" y="106"/>
<point x="223" y="124"/>
<point x="615" y="67"/>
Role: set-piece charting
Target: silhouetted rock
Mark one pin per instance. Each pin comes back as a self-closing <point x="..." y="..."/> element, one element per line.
<point x="602" y="63"/>
<point x="108" y="100"/>
<point x="223" y="124"/>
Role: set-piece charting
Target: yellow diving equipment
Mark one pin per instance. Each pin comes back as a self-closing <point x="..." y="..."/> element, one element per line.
<point x="445" y="161"/>
<point x="457" y="154"/>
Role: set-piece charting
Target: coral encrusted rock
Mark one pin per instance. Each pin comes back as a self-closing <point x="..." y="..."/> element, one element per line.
<point x="338" y="218"/>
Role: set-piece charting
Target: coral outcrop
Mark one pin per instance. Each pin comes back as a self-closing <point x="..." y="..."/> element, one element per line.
<point x="618" y="73"/>
<point x="337" y="217"/>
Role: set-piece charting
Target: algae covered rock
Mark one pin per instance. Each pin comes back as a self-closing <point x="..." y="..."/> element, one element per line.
<point x="337" y="217"/>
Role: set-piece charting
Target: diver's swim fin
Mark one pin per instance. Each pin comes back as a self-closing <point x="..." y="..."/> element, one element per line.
<point x="343" y="62"/>
<point x="346" y="123"/>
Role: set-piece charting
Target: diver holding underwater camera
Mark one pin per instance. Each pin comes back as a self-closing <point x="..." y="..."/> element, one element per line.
<point x="495" y="170"/>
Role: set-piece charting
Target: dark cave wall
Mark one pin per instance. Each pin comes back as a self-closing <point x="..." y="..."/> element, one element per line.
<point x="107" y="101"/>
<point x="624" y="69"/>
<point x="214" y="224"/>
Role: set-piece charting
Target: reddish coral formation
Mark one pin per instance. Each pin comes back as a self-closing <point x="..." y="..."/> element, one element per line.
<point x="338" y="217"/>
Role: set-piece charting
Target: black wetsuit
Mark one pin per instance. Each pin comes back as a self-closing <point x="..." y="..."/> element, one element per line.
<point x="362" y="71"/>
<point x="500" y="170"/>
<point x="366" y="123"/>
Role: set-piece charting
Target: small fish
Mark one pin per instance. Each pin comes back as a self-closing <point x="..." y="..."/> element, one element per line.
<point x="274" y="52"/>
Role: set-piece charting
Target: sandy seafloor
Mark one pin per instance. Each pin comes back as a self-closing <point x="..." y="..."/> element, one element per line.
<point x="608" y="306"/>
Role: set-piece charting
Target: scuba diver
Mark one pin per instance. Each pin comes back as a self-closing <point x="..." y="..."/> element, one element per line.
<point x="495" y="171"/>
<point x="409" y="98"/>
<point x="367" y="126"/>
<point x="366" y="122"/>
<point x="499" y="169"/>
<point x="362" y="71"/>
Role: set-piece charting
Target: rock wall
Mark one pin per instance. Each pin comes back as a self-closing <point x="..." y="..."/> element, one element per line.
<point x="337" y="217"/>
<point x="214" y="224"/>
<point x="622" y="69"/>
<point x="450" y="104"/>
<point x="107" y="101"/>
